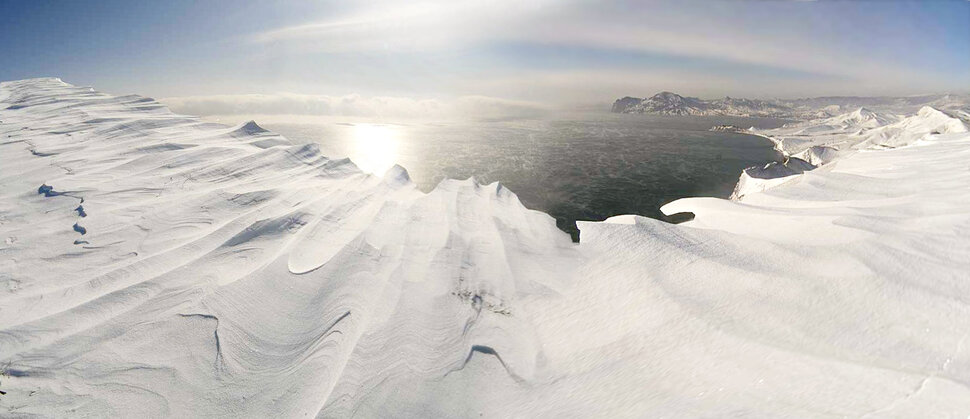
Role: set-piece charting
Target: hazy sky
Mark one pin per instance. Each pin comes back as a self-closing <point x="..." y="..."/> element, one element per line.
<point x="402" y="56"/>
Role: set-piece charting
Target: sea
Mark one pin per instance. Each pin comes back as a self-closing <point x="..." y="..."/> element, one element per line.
<point x="576" y="167"/>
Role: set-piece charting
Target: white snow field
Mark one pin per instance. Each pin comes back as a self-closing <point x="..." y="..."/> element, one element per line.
<point x="215" y="271"/>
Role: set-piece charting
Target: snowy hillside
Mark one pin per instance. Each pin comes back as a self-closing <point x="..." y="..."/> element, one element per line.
<point x="863" y="129"/>
<point x="811" y="144"/>
<point x="157" y="265"/>
<point x="887" y="104"/>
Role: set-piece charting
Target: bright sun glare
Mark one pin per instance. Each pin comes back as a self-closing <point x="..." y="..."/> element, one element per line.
<point x="375" y="147"/>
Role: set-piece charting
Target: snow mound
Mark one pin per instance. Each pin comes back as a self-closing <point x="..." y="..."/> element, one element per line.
<point x="863" y="118"/>
<point x="818" y="155"/>
<point x="156" y="265"/>
<point x="248" y="128"/>
<point x="759" y="179"/>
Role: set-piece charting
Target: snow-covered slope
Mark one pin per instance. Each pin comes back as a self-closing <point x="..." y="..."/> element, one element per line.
<point x="157" y="265"/>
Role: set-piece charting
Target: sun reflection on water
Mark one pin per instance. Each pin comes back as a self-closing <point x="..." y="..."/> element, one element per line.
<point x="375" y="147"/>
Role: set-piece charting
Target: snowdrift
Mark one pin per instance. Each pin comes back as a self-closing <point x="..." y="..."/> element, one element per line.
<point x="157" y="265"/>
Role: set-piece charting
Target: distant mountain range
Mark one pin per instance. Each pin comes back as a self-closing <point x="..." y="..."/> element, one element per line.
<point x="667" y="103"/>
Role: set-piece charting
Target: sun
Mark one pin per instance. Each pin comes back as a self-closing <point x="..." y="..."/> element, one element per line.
<point x="375" y="147"/>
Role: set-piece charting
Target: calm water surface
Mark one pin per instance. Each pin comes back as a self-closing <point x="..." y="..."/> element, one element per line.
<point x="587" y="167"/>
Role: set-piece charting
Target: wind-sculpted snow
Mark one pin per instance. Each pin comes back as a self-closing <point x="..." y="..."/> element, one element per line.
<point x="157" y="265"/>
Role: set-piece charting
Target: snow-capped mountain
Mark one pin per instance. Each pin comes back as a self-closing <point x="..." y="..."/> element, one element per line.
<point x="663" y="103"/>
<point x="667" y="103"/>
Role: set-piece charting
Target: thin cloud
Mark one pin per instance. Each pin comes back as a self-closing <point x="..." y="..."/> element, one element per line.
<point x="645" y="27"/>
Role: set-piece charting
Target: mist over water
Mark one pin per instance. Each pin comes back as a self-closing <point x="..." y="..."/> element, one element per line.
<point x="586" y="167"/>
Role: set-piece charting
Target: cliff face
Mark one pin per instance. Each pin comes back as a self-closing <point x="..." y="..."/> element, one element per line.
<point x="623" y="104"/>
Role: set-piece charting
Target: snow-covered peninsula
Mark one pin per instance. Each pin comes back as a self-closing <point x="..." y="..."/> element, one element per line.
<point x="154" y="264"/>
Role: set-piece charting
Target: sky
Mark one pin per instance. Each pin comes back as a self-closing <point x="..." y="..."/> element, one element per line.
<point x="480" y="56"/>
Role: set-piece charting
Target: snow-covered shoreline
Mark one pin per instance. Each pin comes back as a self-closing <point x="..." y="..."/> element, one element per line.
<point x="223" y="271"/>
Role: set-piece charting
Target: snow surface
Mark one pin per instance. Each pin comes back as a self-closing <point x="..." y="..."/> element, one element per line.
<point x="225" y="272"/>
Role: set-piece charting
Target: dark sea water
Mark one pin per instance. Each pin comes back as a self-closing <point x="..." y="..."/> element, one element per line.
<point x="587" y="167"/>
